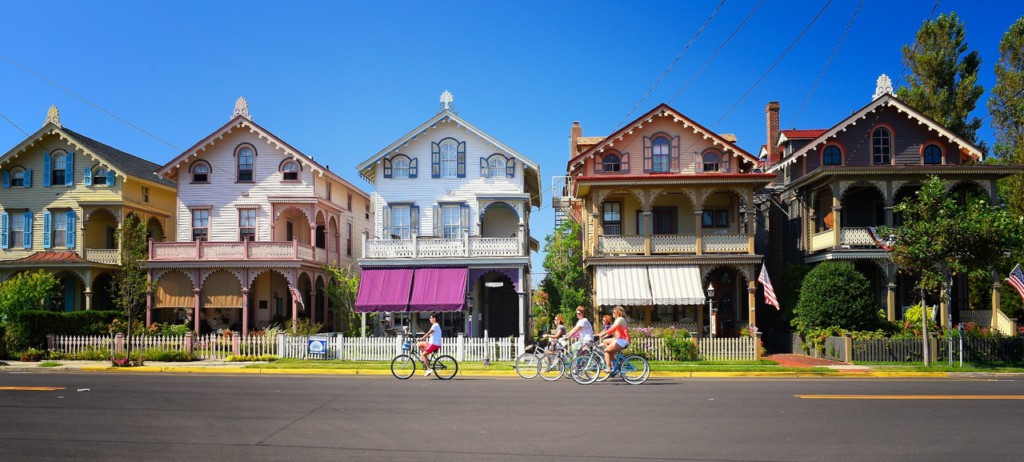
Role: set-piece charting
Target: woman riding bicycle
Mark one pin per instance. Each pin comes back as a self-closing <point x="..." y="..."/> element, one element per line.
<point x="428" y="347"/>
<point x="558" y="333"/>
<point x="583" y="328"/>
<point x="620" y="337"/>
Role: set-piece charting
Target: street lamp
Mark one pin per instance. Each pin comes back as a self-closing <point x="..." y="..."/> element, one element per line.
<point x="712" y="312"/>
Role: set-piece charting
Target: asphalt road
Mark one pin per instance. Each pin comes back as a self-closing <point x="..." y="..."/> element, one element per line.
<point x="251" y="418"/>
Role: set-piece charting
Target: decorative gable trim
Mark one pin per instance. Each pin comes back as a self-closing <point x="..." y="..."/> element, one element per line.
<point x="53" y="129"/>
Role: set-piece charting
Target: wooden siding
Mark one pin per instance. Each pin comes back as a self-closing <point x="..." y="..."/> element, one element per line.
<point x="690" y="144"/>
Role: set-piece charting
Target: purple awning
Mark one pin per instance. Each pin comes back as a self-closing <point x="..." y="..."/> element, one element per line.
<point x="439" y="289"/>
<point x="383" y="290"/>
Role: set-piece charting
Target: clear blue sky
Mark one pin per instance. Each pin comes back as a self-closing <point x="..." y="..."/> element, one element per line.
<point x="341" y="80"/>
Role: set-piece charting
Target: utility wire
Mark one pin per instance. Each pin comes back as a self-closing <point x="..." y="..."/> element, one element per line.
<point x="670" y="66"/>
<point x="13" y="124"/>
<point x="827" y="64"/>
<point x="913" y="51"/>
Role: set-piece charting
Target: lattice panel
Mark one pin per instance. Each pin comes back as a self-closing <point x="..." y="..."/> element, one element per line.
<point x="620" y="244"/>
<point x="673" y="243"/>
<point x="725" y="242"/>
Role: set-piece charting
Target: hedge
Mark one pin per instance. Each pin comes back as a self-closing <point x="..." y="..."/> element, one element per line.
<point x="29" y="328"/>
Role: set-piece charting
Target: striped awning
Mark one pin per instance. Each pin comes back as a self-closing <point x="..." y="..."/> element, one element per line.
<point x="676" y="285"/>
<point x="623" y="285"/>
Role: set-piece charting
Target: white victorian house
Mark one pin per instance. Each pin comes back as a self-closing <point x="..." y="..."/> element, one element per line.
<point x="451" y="231"/>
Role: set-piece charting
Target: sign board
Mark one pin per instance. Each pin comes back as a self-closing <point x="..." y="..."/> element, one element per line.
<point x="317" y="346"/>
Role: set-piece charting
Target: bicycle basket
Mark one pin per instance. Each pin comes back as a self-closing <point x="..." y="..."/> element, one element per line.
<point x="407" y="345"/>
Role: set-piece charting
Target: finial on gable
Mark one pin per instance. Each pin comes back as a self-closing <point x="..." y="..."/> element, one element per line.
<point x="53" y="116"/>
<point x="883" y="86"/>
<point x="447" y="102"/>
<point x="241" y="108"/>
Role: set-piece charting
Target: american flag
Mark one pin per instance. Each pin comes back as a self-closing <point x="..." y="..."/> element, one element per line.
<point x="1016" y="280"/>
<point x="769" y="292"/>
<point x="296" y="296"/>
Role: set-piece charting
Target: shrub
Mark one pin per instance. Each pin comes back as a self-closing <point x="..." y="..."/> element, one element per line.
<point x="680" y="344"/>
<point x="29" y="328"/>
<point x="168" y="330"/>
<point x="32" y="355"/>
<point x="164" y="354"/>
<point x="303" y="327"/>
<point x="835" y="295"/>
<point x="912" y="321"/>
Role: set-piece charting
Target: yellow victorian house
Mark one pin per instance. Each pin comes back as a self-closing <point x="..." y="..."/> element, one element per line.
<point x="62" y="200"/>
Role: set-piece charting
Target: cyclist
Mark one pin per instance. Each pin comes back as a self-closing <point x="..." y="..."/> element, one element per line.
<point x="583" y="328"/>
<point x="619" y="341"/>
<point x="606" y="322"/>
<point x="434" y="344"/>
<point x="558" y="334"/>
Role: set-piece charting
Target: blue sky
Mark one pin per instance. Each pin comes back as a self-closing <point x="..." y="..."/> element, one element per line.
<point x="341" y="80"/>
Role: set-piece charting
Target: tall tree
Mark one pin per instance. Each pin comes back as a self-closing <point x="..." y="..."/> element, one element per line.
<point x="342" y="295"/>
<point x="26" y="291"/>
<point x="566" y="281"/>
<point x="1007" y="108"/>
<point x="943" y="79"/>
<point x="130" y="284"/>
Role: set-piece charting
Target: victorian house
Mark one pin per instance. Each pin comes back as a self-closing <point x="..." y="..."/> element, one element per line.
<point x="666" y="210"/>
<point x="63" y="199"/>
<point x="451" y="232"/>
<point x="836" y="185"/>
<point x="257" y="220"/>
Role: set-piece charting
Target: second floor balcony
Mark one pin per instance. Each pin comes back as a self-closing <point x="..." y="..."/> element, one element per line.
<point x="670" y="244"/>
<point x="436" y="247"/>
<point x="240" y="251"/>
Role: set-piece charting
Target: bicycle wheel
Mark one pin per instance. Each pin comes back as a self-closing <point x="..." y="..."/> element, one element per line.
<point x="601" y="374"/>
<point x="526" y="365"/>
<point x="403" y="366"/>
<point x="551" y="367"/>
<point x="445" y="367"/>
<point x="635" y="369"/>
<point x="585" y="369"/>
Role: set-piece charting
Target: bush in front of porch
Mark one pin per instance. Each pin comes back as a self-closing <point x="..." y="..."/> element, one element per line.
<point x="835" y="295"/>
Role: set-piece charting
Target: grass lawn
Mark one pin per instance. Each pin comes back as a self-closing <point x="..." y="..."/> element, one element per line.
<point x="49" y="364"/>
<point x="657" y="366"/>
<point x="940" y="367"/>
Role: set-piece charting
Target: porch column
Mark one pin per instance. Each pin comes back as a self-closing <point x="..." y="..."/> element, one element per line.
<point x="699" y="216"/>
<point x="889" y="220"/>
<point x="704" y="306"/>
<point x="807" y="225"/>
<point x="836" y="223"/>
<point x="522" y="302"/>
<point x="312" y="235"/>
<point x="149" y="307"/>
<point x="295" y="313"/>
<point x="88" y="299"/>
<point x="195" y="312"/>
<point x="648" y="218"/>
<point x="312" y="307"/>
<point x="245" y="312"/>
<point x="890" y="301"/>
<point x="996" y="300"/>
<point x="647" y="316"/>
<point x="750" y="232"/>
<point x="752" y="301"/>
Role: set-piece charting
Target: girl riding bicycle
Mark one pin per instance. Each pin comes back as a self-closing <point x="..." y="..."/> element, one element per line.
<point x="558" y="333"/>
<point x="583" y="328"/>
<point x="619" y="341"/>
<point x="428" y="347"/>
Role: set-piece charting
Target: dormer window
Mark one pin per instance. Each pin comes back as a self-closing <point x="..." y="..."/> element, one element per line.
<point x="99" y="176"/>
<point x="932" y="155"/>
<point x="832" y="156"/>
<point x="246" y="159"/>
<point x="290" y="171"/>
<point x="711" y="161"/>
<point x="18" y="177"/>
<point x="201" y="173"/>
<point x="611" y="163"/>
<point x="881" y="146"/>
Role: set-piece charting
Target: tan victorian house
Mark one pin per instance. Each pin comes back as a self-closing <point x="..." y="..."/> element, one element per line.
<point x="666" y="209"/>
<point x="63" y="198"/>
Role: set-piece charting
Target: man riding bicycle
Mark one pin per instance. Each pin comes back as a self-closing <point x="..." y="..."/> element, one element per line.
<point x="434" y="344"/>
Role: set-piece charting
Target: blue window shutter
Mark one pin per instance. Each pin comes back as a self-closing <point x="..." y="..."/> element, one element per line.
<point x="3" y="230"/>
<point x="414" y="219"/>
<point x="6" y="179"/>
<point x="387" y="168"/>
<point x="111" y="178"/>
<point x="462" y="160"/>
<point x="647" y="155"/>
<point x="71" y="231"/>
<point x="510" y="167"/>
<point x="87" y="176"/>
<point x="438" y="218"/>
<point x="28" y="178"/>
<point x="465" y="218"/>
<point x="28" y="230"/>
<point x="435" y="160"/>
<point x="624" y="163"/>
<point x="69" y="170"/>
<point x="47" y="232"/>
<point x="46" y="169"/>
<point x="413" y="171"/>
<point x="483" y="167"/>
<point x="385" y="220"/>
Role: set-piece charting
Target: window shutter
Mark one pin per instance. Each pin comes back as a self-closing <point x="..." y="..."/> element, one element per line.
<point x="111" y="178"/>
<point x="69" y="170"/>
<point x="385" y="218"/>
<point x="47" y="172"/>
<point x="483" y="168"/>
<point x="3" y="229"/>
<point x="598" y="163"/>
<point x="413" y="170"/>
<point x="465" y="219"/>
<point x="647" y="155"/>
<point x="414" y="219"/>
<point x="675" y="153"/>
<point x="87" y="173"/>
<point x="6" y="179"/>
<point x="462" y="160"/>
<point x="435" y="160"/>
<point x="28" y="178"/>
<point x="437" y="221"/>
<point x="46" y="229"/>
<point x="387" y="168"/>
<point x="72" y="230"/>
<point x="698" y="162"/>
<point x="510" y="167"/>
<point x="28" y="230"/>
<point x="624" y="163"/>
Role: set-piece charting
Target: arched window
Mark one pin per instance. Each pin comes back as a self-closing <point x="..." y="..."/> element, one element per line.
<point x="449" y="159"/>
<point x="496" y="166"/>
<point x="290" y="171"/>
<point x="17" y="177"/>
<point x="57" y="165"/>
<point x="881" y="146"/>
<point x="832" y="156"/>
<point x="932" y="155"/>
<point x="246" y="157"/>
<point x="660" y="155"/>
<point x="201" y="173"/>
<point x="401" y="167"/>
<point x="611" y="163"/>
<point x="711" y="161"/>
<point x="99" y="176"/>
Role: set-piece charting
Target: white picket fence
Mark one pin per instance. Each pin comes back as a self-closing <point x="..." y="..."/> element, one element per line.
<point x="727" y="349"/>
<point x="386" y="348"/>
<point x="210" y="346"/>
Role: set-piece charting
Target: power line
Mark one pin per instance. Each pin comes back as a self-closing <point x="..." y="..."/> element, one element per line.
<point x="913" y="51"/>
<point x="670" y="66"/>
<point x="13" y="124"/>
<point x="827" y="64"/>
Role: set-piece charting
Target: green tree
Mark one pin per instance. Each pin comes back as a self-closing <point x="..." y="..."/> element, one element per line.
<point x="566" y="281"/>
<point x="26" y="291"/>
<point x="1007" y="108"/>
<point x="130" y="285"/>
<point x="342" y="295"/>
<point x="834" y="294"/>
<point x="943" y="80"/>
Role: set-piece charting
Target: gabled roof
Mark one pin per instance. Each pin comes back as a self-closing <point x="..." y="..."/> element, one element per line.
<point x="367" y="167"/>
<point x="883" y="101"/>
<point x="241" y="121"/>
<point x="663" y="110"/>
<point x="124" y="164"/>
<point x="785" y="135"/>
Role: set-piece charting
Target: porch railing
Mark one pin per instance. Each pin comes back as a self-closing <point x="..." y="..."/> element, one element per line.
<point x="243" y="250"/>
<point x="431" y="247"/>
<point x="104" y="256"/>
<point x="672" y="244"/>
<point x="615" y="244"/>
<point x="823" y="240"/>
<point x="858" y="237"/>
<point x="726" y="243"/>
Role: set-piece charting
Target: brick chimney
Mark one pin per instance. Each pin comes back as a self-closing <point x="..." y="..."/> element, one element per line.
<point x="574" y="134"/>
<point x="772" y="115"/>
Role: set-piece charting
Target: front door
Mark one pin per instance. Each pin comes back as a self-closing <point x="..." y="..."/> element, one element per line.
<point x="501" y="312"/>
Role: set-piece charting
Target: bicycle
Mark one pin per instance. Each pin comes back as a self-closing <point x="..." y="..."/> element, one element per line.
<point x="554" y="363"/>
<point x="403" y="365"/>
<point x="528" y="363"/>
<point x="633" y="368"/>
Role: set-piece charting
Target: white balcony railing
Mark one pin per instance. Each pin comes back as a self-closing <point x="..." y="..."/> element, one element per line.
<point x="429" y="247"/>
<point x="258" y="250"/>
<point x="856" y="237"/>
<point x="672" y="244"/>
<point x="104" y="256"/>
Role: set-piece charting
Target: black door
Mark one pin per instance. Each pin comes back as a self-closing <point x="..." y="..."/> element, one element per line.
<point x="501" y="315"/>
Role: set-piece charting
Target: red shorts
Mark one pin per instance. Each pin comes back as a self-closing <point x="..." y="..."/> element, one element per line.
<point x="431" y="348"/>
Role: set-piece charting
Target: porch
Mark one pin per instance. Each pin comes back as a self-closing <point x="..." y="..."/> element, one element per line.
<point x="233" y="251"/>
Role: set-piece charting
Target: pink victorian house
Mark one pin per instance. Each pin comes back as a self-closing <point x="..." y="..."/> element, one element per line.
<point x="257" y="221"/>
